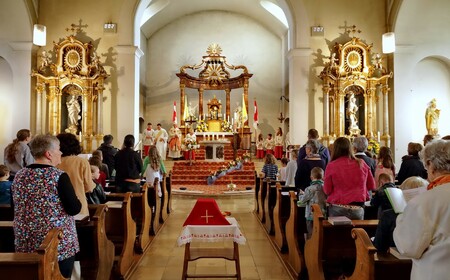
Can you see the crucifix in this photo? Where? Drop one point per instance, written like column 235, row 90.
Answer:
column 206, row 216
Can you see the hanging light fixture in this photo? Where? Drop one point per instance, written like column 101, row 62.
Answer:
column 39, row 35
column 389, row 42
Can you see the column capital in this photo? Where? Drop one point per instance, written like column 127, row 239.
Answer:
column 123, row 49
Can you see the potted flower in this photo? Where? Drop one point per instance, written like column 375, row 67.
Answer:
column 246, row 157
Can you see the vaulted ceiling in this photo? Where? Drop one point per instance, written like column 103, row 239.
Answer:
column 170, row 10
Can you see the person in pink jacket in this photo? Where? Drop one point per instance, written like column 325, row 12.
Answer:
column 347, row 182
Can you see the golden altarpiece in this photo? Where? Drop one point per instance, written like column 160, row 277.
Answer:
column 215, row 76
column 355, row 93
column 69, row 92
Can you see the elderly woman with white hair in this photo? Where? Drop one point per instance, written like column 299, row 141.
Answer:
column 423, row 230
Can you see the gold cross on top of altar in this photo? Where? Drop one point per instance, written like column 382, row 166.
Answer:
column 206, row 216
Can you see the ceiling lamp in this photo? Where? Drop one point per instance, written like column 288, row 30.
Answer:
column 39, row 35
column 389, row 42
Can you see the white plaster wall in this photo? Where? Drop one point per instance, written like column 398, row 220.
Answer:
column 243, row 41
column 6, row 110
column 421, row 70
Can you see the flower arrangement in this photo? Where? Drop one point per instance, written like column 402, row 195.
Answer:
column 190, row 144
column 202, row 126
column 246, row 156
column 226, row 126
column 374, row 146
column 223, row 170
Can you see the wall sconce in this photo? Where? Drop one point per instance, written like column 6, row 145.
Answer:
column 40, row 35
column 389, row 42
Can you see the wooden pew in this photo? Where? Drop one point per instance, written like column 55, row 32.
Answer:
column 96, row 254
column 6, row 237
column 281, row 212
column 141, row 214
column 258, row 185
column 331, row 246
column 371, row 265
column 164, row 201
column 269, row 204
column 155, row 204
column 42, row 265
column 6, row 212
column 121, row 230
column 295, row 232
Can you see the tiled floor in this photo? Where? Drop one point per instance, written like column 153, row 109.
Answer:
column 164, row 259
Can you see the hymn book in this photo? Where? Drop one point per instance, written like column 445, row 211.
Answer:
column 399, row 198
column 339, row 220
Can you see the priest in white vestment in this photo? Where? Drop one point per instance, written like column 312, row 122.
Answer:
column 161, row 137
column 175, row 141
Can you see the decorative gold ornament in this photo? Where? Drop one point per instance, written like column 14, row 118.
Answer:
column 214, row 50
column 215, row 74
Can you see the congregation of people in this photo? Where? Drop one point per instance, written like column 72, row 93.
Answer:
column 343, row 180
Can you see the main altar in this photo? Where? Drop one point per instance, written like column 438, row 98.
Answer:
column 214, row 75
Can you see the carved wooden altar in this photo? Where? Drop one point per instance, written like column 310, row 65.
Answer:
column 215, row 76
column 77, row 74
column 355, row 89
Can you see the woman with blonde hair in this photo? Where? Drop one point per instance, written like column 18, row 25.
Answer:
column 386, row 225
column 153, row 169
column 18, row 154
column 423, row 228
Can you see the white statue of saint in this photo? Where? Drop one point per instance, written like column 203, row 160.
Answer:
column 352, row 108
column 73, row 108
column 192, row 110
column 238, row 115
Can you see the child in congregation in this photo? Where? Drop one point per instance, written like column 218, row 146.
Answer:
column 102, row 175
column 379, row 198
column 270, row 169
column 260, row 147
column 5, row 185
column 97, row 196
column 284, row 162
column 313, row 195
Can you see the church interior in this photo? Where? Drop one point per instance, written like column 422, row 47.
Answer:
column 228, row 70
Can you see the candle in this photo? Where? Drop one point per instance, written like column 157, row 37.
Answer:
column 228, row 118
column 378, row 136
column 80, row 137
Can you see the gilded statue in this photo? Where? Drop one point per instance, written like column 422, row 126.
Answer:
column 432, row 117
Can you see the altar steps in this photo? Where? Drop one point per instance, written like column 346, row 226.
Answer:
column 228, row 153
column 185, row 175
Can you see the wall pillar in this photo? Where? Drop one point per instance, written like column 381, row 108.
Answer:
column 127, row 96
column 299, row 122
